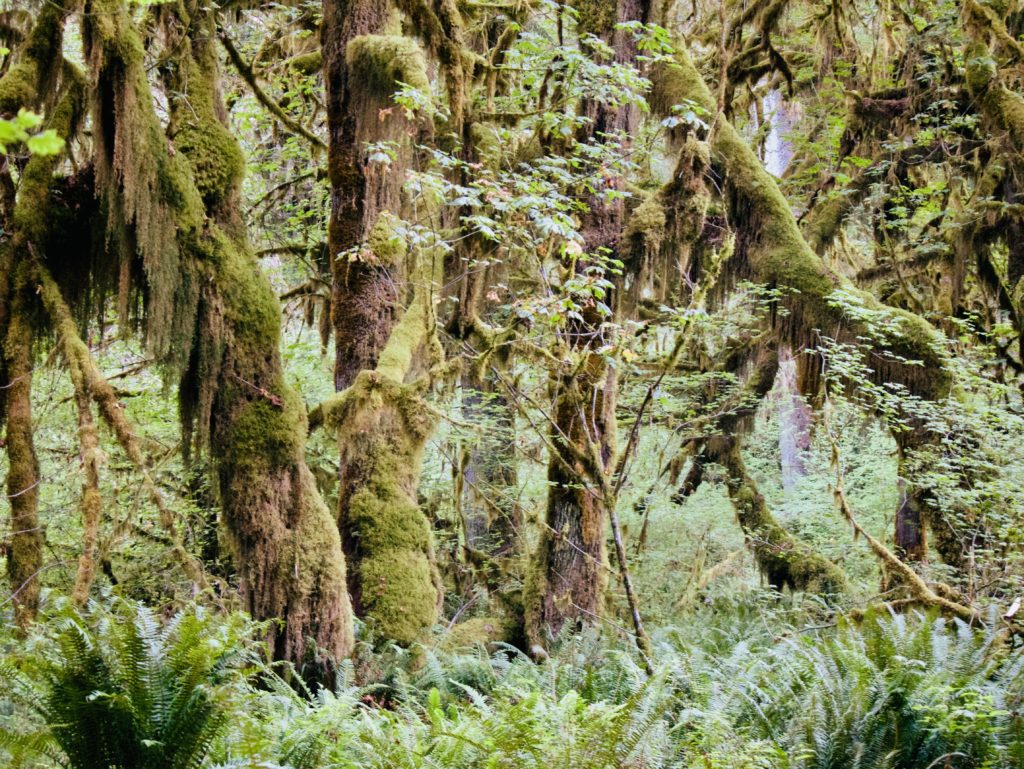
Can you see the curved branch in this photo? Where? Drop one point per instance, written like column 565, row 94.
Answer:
column 261, row 96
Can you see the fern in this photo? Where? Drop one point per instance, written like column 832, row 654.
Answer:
column 116, row 689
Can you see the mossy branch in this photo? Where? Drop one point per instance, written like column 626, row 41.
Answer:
column 261, row 96
column 927, row 594
column 87, row 377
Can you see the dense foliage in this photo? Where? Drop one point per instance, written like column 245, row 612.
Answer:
column 457, row 383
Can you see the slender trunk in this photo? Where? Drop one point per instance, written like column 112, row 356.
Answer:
column 25, row 551
column 569, row 574
column 794, row 421
column 492, row 515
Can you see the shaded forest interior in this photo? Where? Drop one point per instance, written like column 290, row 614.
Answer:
column 480, row 382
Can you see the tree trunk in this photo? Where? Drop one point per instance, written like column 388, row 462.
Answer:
column 492, row 516
column 569, row 573
column 25, row 550
column 287, row 547
column 382, row 427
column 363, row 62
column 794, row 421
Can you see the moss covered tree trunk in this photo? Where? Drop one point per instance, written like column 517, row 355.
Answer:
column 379, row 419
column 569, row 573
column 38, row 77
column 25, row 546
column 287, row 549
column 365, row 56
column 382, row 425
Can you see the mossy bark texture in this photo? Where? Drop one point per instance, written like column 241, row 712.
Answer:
column 382, row 425
column 568, row 576
column 287, row 549
column 35, row 80
column 365, row 56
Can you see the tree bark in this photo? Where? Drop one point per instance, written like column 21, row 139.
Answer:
column 287, row 547
column 25, row 550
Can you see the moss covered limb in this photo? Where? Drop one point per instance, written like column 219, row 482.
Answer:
column 91, row 503
column 782, row 560
column 936, row 595
column 88, row 379
column 25, row 551
column 269, row 104
column 771, row 250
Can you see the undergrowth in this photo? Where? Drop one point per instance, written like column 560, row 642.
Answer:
column 747, row 685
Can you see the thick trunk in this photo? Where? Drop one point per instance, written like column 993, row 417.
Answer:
column 569, row 573
column 364, row 58
column 287, row 546
column 382, row 427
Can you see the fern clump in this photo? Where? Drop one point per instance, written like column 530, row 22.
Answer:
column 119, row 689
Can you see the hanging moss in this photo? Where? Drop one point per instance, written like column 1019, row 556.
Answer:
column 647, row 221
column 151, row 201
column 29, row 83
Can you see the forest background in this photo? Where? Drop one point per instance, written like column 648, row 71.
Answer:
column 686, row 335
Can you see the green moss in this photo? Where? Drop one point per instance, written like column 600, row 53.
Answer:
column 979, row 68
column 382, row 426
column 379, row 62
column 478, row 631
column 399, row 596
column 647, row 220
column 250, row 304
column 386, row 244
column 487, row 144
column 18, row 88
column 595, row 17
column 307, row 63
column 213, row 152
column 259, row 433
